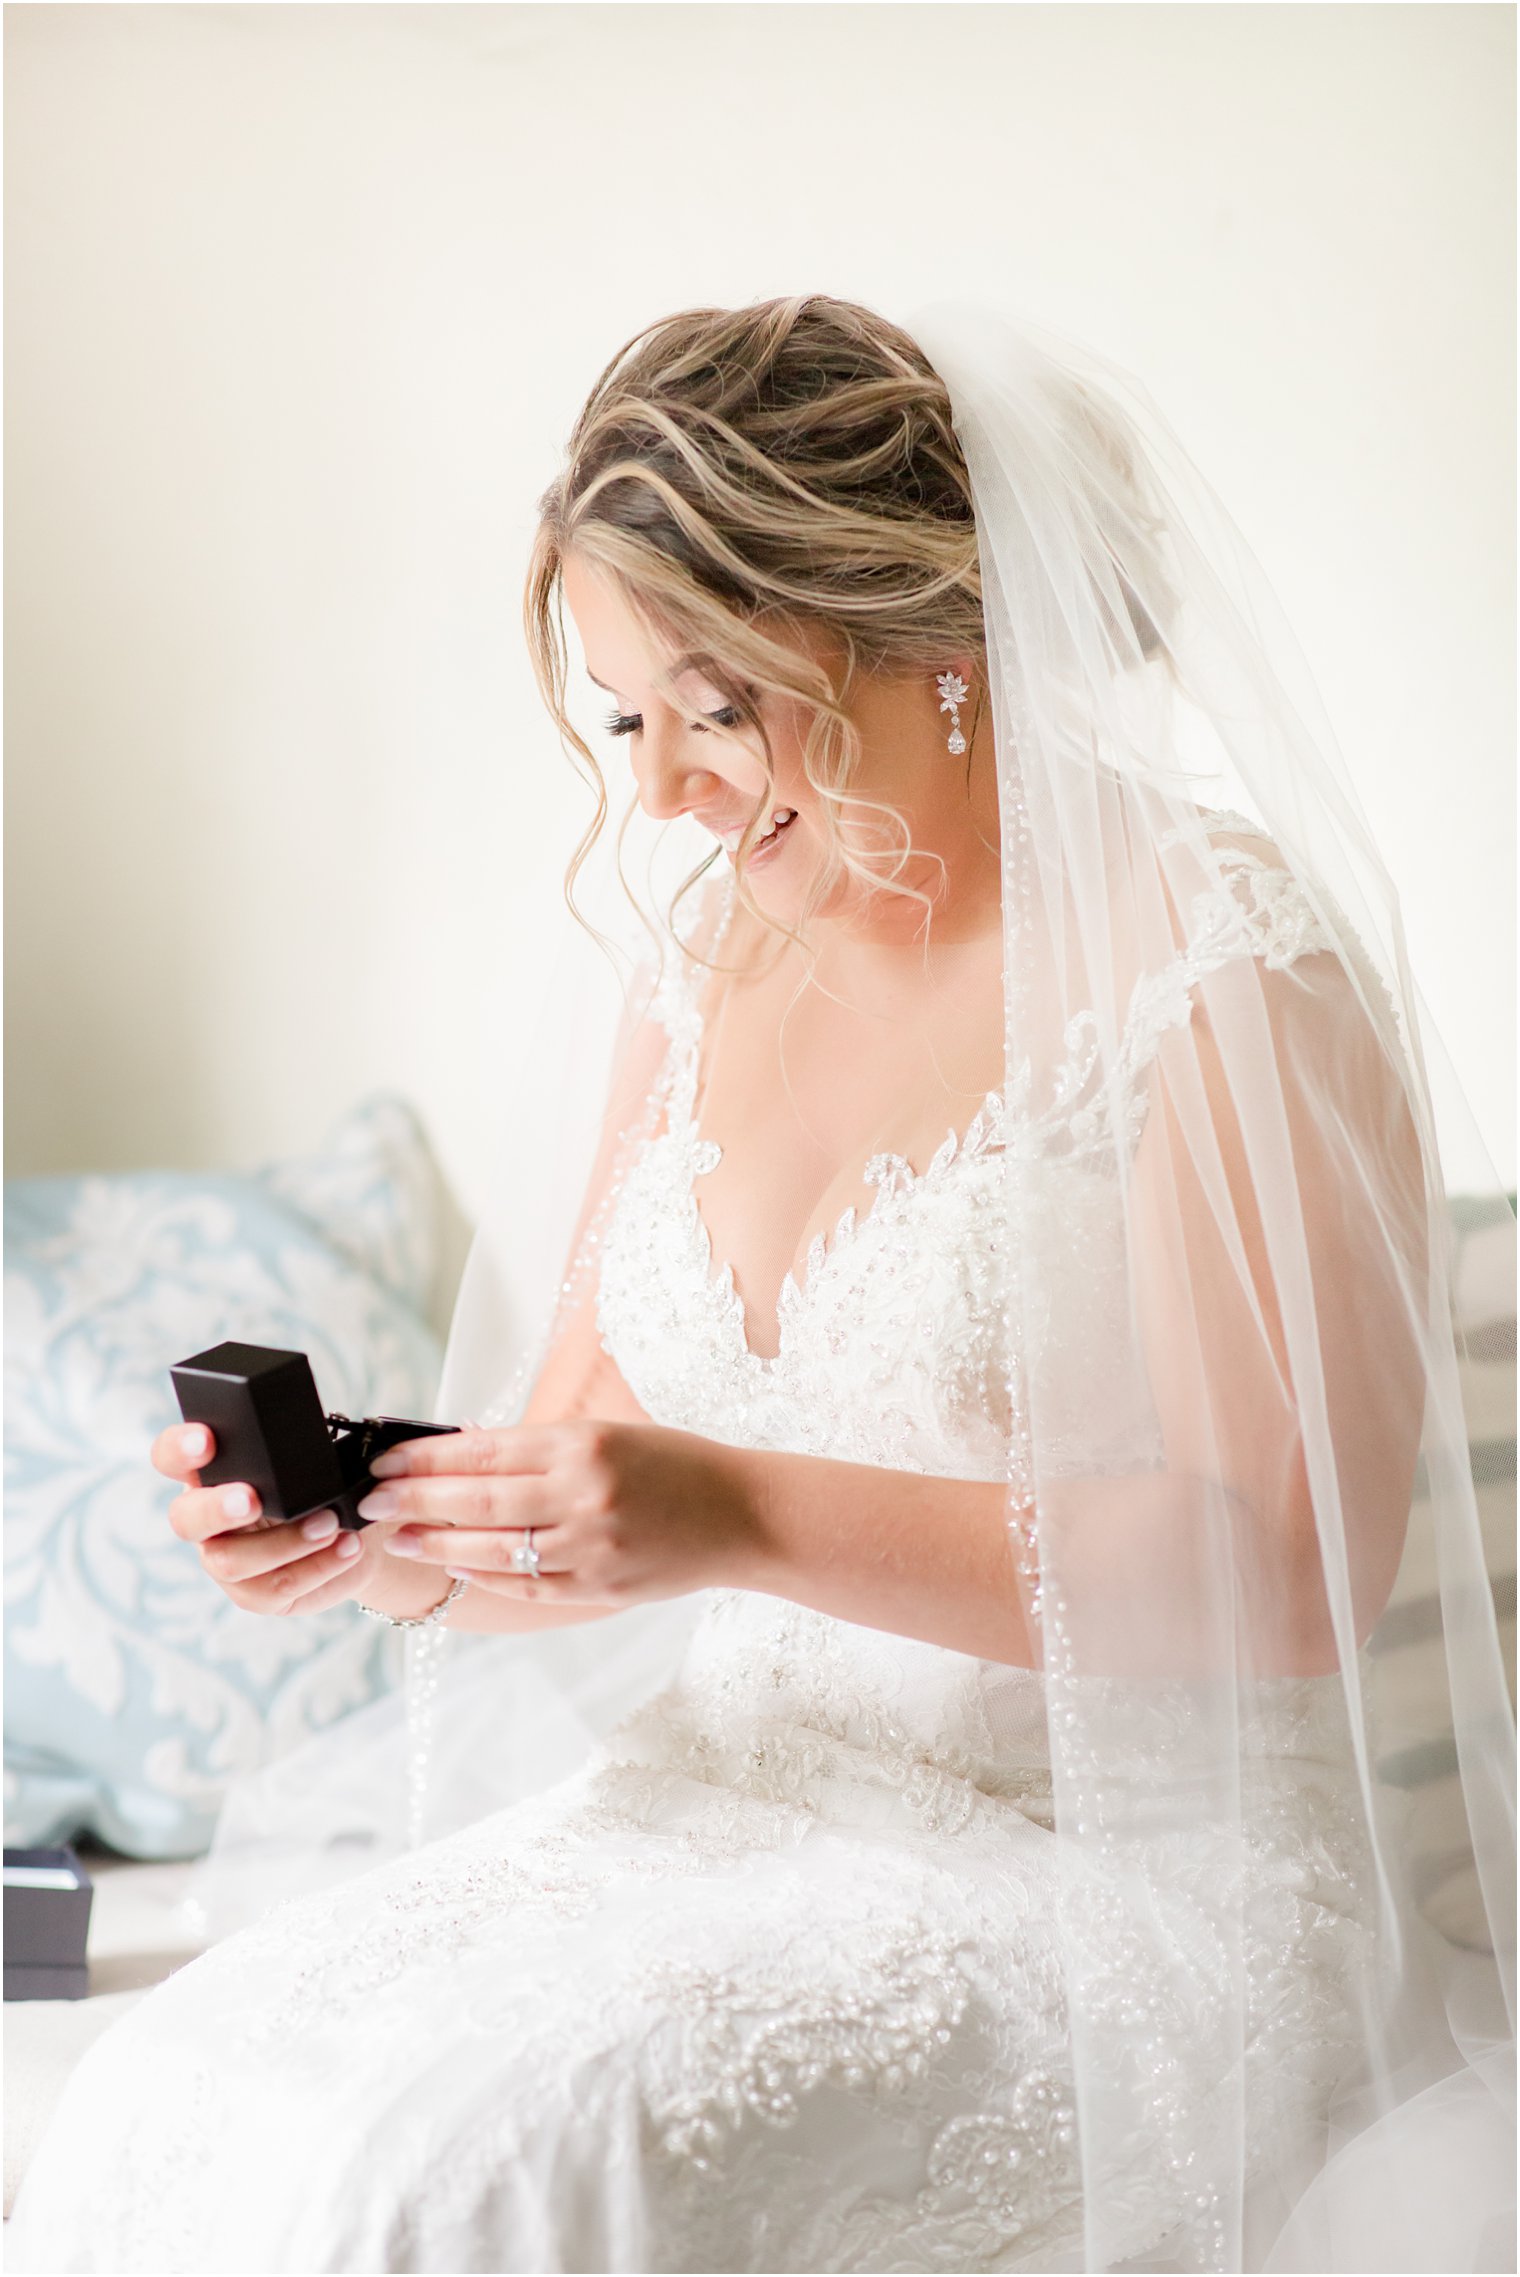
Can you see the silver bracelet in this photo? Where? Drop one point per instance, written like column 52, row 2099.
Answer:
column 417, row 1620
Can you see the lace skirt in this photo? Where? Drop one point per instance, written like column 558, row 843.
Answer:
column 746, row 1993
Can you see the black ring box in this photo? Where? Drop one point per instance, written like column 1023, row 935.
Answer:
column 272, row 1435
column 47, row 1925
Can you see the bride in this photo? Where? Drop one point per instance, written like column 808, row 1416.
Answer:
column 1008, row 1300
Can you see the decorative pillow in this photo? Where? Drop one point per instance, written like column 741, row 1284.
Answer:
column 134, row 1690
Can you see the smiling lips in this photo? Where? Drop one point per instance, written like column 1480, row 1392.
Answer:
column 779, row 821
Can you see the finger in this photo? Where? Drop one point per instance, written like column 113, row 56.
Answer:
column 337, row 1589
column 521, row 1447
column 183, row 1451
column 245, row 1555
column 207, row 1510
column 291, row 1588
column 491, row 1552
column 325, row 1578
column 494, row 1501
column 551, row 1589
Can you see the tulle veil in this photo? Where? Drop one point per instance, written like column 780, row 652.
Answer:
column 1261, row 1533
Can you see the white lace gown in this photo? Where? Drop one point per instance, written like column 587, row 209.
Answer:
column 771, row 1984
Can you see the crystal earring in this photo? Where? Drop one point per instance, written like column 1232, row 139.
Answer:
column 953, row 692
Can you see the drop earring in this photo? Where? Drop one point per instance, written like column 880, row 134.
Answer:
column 953, row 692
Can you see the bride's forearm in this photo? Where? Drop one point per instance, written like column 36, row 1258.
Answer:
column 919, row 1556
column 1139, row 1555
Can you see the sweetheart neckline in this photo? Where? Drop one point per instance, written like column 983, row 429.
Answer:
column 892, row 1175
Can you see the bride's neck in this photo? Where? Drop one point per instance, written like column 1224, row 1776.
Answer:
column 945, row 898
column 953, row 876
column 891, row 933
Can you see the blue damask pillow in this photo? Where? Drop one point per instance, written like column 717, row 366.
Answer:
column 134, row 1690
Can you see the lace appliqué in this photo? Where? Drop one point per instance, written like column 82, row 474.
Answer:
column 904, row 2001
column 1259, row 910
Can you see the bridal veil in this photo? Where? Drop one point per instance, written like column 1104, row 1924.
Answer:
column 1231, row 1383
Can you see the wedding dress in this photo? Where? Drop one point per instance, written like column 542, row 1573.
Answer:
column 773, row 1982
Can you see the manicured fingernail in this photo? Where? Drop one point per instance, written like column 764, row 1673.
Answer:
column 321, row 1528
column 194, row 1445
column 381, row 1503
column 392, row 1464
column 350, row 1546
column 404, row 1546
column 237, row 1502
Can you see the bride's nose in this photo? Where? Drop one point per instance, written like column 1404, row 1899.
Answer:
column 668, row 783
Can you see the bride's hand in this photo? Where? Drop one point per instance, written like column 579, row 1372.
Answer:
column 264, row 1565
column 620, row 1512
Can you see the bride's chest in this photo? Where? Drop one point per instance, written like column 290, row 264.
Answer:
column 889, row 1344
column 804, row 1129
column 894, row 1340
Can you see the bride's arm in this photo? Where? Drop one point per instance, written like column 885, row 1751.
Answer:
column 640, row 1511
column 920, row 1556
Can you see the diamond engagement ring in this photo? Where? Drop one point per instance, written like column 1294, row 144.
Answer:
column 525, row 1556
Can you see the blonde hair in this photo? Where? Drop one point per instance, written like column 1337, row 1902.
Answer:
column 740, row 474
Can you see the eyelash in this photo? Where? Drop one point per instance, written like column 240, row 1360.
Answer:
column 625, row 723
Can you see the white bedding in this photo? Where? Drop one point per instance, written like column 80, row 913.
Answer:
column 135, row 1939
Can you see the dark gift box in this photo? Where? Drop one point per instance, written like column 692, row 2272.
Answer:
column 47, row 1925
column 271, row 1433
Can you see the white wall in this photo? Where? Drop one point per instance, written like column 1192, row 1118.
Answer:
column 302, row 300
